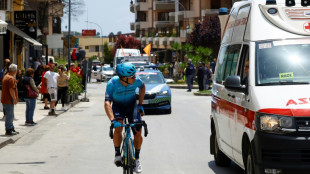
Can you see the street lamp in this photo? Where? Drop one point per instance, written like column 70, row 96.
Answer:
column 101, row 35
column 69, row 32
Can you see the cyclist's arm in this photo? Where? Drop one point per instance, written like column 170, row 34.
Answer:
column 141, row 94
column 108, row 110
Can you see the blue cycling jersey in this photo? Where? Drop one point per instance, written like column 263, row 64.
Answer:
column 120, row 94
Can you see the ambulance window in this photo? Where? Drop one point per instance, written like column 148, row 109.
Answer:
column 243, row 65
column 232, row 58
column 221, row 65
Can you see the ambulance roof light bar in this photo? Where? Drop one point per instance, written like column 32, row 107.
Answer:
column 290, row 3
column 271, row 2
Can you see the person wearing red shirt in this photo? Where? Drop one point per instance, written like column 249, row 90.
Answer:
column 46, row 96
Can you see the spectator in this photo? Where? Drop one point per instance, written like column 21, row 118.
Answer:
column 207, row 76
column 9, row 98
column 213, row 65
column 50, row 78
column 62, row 84
column 38, row 75
column 171, row 67
column 30, row 102
column 73, row 55
column 3, row 72
column 200, row 76
column 81, row 54
column 36, row 63
column 190, row 72
column 20, row 85
column 73, row 69
column 50, row 62
column 44, row 91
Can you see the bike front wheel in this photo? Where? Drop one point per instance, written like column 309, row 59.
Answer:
column 129, row 163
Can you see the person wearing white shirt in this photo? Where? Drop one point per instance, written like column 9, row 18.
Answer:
column 51, row 78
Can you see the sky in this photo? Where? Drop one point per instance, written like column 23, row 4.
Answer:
column 110, row 15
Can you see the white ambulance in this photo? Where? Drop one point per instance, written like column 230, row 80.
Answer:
column 261, row 94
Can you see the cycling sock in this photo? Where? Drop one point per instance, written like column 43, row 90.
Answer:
column 137, row 154
column 117, row 151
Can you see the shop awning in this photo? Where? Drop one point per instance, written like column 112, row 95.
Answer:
column 3, row 27
column 20, row 33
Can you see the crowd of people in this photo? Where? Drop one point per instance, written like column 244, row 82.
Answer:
column 204, row 73
column 52, row 83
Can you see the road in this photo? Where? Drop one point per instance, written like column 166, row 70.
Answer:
column 77, row 141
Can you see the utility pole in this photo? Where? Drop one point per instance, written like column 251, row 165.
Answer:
column 69, row 38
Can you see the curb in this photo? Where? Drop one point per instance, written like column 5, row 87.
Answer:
column 182, row 86
column 201, row 94
column 14, row 138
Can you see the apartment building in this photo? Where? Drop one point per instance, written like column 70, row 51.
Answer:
column 164, row 22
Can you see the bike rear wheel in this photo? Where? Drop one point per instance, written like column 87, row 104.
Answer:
column 129, row 163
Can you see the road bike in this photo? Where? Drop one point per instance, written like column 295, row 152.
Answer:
column 127, row 150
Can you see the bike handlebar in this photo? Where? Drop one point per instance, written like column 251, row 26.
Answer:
column 146, row 132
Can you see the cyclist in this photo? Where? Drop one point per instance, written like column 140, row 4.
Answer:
column 121, row 92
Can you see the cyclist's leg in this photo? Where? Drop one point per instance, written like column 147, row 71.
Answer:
column 117, row 136
column 135, row 117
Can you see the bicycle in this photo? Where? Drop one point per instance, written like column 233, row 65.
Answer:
column 127, row 150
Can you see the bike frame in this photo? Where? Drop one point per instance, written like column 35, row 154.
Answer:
column 128, row 136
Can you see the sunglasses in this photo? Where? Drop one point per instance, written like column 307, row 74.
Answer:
column 132, row 77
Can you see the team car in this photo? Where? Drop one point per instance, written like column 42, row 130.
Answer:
column 157, row 92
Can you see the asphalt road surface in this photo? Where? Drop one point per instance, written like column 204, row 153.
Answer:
column 77, row 141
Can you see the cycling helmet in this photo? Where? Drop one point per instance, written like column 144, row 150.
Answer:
column 125, row 69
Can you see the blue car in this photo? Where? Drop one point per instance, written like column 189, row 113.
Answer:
column 157, row 92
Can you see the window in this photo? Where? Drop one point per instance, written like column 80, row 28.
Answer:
column 227, row 62
column 3, row 4
column 86, row 47
column 97, row 48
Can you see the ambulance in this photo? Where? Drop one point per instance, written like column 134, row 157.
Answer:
column 260, row 116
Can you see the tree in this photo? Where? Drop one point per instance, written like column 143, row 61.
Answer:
column 77, row 7
column 126, row 42
column 204, row 53
column 207, row 34
column 176, row 47
column 98, row 34
column 119, row 33
column 107, row 53
column 188, row 49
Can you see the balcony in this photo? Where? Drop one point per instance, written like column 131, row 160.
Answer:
column 143, row 40
column 132, row 8
column 164, row 5
column 181, row 15
column 162, row 24
column 141, row 6
column 149, row 40
column 132, row 26
column 141, row 25
column 163, row 41
column 156, row 41
column 209, row 12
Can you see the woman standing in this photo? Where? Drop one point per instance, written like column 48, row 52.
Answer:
column 44, row 91
column 30, row 102
column 63, row 84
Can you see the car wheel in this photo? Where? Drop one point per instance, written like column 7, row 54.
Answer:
column 219, row 157
column 249, row 167
column 168, row 111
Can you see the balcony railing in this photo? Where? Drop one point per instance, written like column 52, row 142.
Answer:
column 181, row 15
column 162, row 24
column 164, row 5
column 141, row 25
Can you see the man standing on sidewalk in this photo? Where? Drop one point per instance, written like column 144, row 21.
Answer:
column 9, row 98
column 51, row 78
column 190, row 72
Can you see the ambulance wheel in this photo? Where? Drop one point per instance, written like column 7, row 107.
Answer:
column 249, row 167
column 219, row 157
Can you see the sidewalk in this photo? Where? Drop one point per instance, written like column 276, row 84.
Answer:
column 19, row 122
column 185, row 87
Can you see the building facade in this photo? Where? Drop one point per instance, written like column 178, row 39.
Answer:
column 27, row 21
column 164, row 22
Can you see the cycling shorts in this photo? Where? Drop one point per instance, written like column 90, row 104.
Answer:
column 131, row 112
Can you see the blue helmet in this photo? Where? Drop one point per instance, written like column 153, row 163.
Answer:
column 125, row 69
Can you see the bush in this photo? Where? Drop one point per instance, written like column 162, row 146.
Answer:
column 75, row 84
